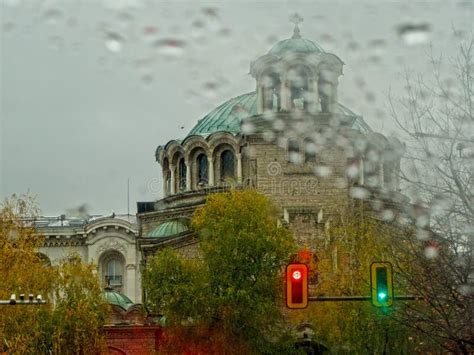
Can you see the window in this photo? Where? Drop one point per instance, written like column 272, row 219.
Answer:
column 271, row 92
column 294, row 151
column 227, row 164
column 182, row 175
column 202, row 177
column 298, row 79
column 309, row 151
column 114, row 272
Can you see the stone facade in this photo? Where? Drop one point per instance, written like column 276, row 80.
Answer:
column 108, row 242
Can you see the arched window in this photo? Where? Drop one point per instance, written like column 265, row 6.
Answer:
column 114, row 272
column 294, row 151
column 202, row 176
column 227, row 164
column 271, row 92
column 168, row 182
column 325, row 89
column 309, row 151
column 182, row 174
column 298, row 77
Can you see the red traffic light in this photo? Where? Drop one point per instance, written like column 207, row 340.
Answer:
column 297, row 286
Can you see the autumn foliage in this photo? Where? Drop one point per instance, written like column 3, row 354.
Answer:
column 70, row 321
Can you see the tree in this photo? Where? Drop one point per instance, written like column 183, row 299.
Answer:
column 437, row 117
column 233, row 291
column 353, row 239
column 75, row 311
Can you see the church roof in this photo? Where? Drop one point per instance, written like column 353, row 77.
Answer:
column 227, row 116
column 117, row 298
column 295, row 44
column 169, row 228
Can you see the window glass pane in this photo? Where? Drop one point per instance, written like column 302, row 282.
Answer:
column 182, row 174
column 114, row 272
column 227, row 164
column 202, row 169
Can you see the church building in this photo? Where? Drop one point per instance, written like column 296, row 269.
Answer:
column 290, row 139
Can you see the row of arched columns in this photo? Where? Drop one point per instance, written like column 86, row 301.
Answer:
column 190, row 174
column 200, row 162
column 302, row 90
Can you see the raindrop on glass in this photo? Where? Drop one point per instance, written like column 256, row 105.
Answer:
column 431, row 252
column 170, row 47
column 352, row 171
column 147, row 79
column 248, row 128
column 56, row 43
column 414, row 34
column 388, row 215
column 52, row 16
column 210, row 11
column 323, row 171
column 360, row 193
column 114, row 42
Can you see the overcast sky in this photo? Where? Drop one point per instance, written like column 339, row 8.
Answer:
column 89, row 89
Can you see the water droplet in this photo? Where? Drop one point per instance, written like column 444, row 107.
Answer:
column 388, row 215
column 431, row 252
column 210, row 11
column 327, row 37
column 56, row 43
column 170, row 47
column 422, row 221
column 52, row 16
column 323, row 171
column 295, row 158
column 423, row 234
column 150, row 30
column 359, row 193
column 352, row 171
column 240, row 112
column 268, row 136
column 198, row 24
column 248, row 128
column 114, row 42
column 210, row 89
column 147, row 79
column 278, row 125
column 353, row 46
column 369, row 97
column 414, row 34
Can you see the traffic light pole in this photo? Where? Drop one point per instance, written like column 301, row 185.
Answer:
column 356, row 298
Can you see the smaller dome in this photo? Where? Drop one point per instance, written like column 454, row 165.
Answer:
column 117, row 298
column 295, row 44
column 169, row 228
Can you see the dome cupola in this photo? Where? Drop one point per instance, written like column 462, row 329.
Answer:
column 297, row 75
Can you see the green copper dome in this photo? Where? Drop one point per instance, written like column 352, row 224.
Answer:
column 295, row 44
column 168, row 228
column 227, row 117
column 117, row 298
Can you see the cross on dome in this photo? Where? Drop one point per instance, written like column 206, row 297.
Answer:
column 296, row 19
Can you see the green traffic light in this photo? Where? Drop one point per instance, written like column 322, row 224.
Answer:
column 381, row 284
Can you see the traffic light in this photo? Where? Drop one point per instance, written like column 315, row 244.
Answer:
column 381, row 284
column 297, row 286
